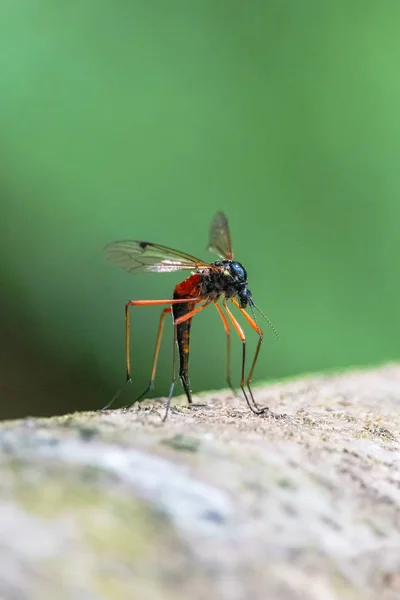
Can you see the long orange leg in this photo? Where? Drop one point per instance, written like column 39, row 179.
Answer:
column 171, row 390
column 150, row 386
column 185, row 384
column 253, row 407
column 240, row 333
column 260, row 334
column 193, row 312
column 228, row 343
column 259, row 331
column 127, row 334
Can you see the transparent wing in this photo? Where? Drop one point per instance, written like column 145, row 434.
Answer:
column 219, row 240
column 138, row 257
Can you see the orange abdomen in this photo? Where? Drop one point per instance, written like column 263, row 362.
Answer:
column 189, row 288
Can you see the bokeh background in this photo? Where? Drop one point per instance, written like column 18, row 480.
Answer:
column 124, row 119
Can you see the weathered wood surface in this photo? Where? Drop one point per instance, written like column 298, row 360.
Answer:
column 217, row 503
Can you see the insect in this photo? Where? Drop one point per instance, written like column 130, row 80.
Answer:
column 214, row 283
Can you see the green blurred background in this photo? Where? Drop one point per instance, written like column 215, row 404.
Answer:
column 137, row 119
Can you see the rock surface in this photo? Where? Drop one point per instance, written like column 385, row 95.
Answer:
column 217, row 503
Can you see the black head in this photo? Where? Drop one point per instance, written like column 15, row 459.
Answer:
column 237, row 271
column 238, row 277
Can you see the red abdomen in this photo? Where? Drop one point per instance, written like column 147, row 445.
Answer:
column 189, row 288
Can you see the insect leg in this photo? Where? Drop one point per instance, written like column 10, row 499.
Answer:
column 171, row 390
column 127, row 336
column 259, row 331
column 240, row 333
column 182, row 323
column 156, row 353
column 191, row 313
column 228, row 344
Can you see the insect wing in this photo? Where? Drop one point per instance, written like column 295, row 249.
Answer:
column 219, row 240
column 138, row 257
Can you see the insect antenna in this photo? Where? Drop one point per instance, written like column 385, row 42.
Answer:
column 253, row 306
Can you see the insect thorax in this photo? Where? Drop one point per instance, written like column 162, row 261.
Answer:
column 228, row 278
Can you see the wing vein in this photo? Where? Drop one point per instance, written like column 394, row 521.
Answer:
column 137, row 256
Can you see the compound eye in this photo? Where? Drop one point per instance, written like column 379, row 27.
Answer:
column 238, row 271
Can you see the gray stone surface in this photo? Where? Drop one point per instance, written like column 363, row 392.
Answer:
column 217, row 503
